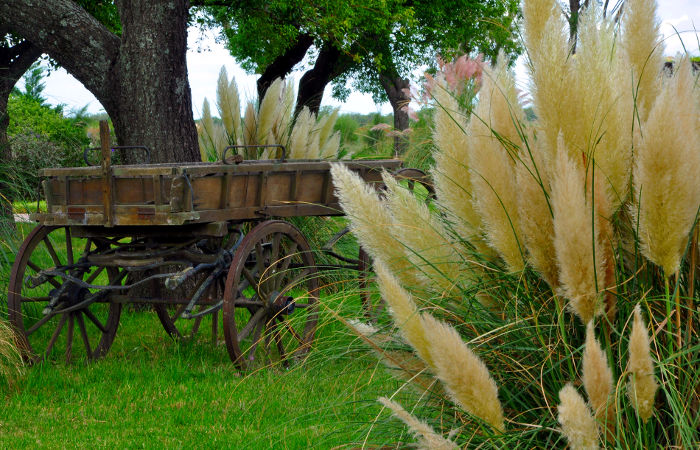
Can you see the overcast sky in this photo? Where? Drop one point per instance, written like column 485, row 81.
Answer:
column 205, row 58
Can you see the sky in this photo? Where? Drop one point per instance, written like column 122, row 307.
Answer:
column 205, row 58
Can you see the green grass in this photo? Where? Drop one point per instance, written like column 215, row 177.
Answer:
column 151, row 391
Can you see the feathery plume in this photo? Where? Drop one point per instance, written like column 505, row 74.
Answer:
column 463, row 374
column 428, row 438
column 236, row 112
column 371, row 222
column 250, row 125
column 424, row 237
column 207, row 133
column 268, row 113
column 300, row 134
column 578, row 253
column 451, row 172
column 537, row 13
column 666, row 182
column 643, row 49
column 536, row 222
column 577, row 423
column 597, row 379
column 492, row 136
column 404, row 312
column 331, row 147
column 228, row 105
column 326, row 124
column 642, row 386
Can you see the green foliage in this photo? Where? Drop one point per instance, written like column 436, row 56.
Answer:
column 39, row 137
column 379, row 37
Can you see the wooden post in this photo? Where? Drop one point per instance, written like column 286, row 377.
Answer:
column 106, row 150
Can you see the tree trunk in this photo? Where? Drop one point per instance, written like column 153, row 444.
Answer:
column 284, row 63
column 396, row 89
column 329, row 64
column 140, row 79
column 14, row 61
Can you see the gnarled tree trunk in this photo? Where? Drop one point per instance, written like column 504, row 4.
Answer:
column 140, row 78
column 396, row 89
column 330, row 63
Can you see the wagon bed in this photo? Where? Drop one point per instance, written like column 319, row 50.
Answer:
column 180, row 194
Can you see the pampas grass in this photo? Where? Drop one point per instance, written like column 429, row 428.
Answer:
column 595, row 197
column 577, row 423
column 666, row 182
column 272, row 123
column 641, row 388
column 575, row 240
column 427, row 437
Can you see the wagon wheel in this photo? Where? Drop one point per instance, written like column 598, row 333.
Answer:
column 419, row 183
column 171, row 317
column 54, row 316
column 271, row 297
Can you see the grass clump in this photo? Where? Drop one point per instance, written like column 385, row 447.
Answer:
column 560, row 254
column 271, row 122
column 11, row 364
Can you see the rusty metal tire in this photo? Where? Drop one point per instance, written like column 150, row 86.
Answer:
column 270, row 307
column 93, row 326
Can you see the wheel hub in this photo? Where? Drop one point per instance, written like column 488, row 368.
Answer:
column 280, row 304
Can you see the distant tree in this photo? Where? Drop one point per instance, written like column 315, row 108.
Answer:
column 372, row 48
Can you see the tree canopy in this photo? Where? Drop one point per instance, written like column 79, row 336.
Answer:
column 377, row 36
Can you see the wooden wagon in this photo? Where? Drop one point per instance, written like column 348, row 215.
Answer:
column 192, row 240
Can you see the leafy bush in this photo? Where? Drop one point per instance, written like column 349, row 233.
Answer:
column 549, row 295
column 39, row 137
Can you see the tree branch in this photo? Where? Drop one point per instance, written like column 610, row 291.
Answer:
column 68, row 34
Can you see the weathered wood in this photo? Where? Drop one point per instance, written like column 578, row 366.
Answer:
column 178, row 194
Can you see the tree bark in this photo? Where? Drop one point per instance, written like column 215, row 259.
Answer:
column 396, row 89
column 140, row 78
column 283, row 64
column 14, row 62
column 329, row 64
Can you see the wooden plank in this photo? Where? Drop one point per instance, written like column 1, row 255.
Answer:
column 106, row 173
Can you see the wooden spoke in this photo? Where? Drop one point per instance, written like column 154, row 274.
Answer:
column 252, row 322
column 69, row 338
column 83, row 332
column 69, row 247
column 55, row 334
column 37, row 325
column 95, row 274
column 94, row 320
column 52, row 252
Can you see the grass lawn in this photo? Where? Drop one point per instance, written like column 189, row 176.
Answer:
column 150, row 391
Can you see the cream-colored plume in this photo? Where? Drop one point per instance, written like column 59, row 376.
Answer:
column 535, row 213
column 372, row 223
column 298, row 140
column 598, row 379
column 578, row 251
column 404, row 312
column 229, row 106
column 577, row 423
column 451, row 171
column 424, row 237
column 642, row 386
column 464, row 376
column 666, row 181
column 643, row 49
column 268, row 113
column 493, row 138
column 427, row 437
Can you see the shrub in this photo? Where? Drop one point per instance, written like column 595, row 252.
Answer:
column 525, row 299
